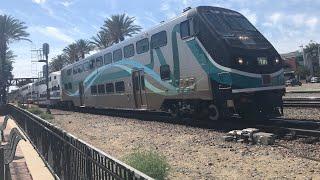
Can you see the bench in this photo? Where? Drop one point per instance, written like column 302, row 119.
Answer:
column 3, row 127
column 8, row 151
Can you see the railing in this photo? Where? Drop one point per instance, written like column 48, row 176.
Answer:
column 68, row 157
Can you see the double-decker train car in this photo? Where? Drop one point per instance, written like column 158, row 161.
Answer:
column 25, row 93
column 208, row 61
column 54, row 86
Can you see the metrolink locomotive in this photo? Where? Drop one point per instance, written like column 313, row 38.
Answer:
column 209, row 62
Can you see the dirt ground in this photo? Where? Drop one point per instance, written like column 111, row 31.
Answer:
column 193, row 153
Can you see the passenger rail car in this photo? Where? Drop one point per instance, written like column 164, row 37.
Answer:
column 208, row 61
column 54, row 86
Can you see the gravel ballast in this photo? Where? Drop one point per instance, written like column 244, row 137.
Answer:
column 193, row 153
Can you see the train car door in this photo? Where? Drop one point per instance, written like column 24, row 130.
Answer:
column 81, row 93
column 138, row 86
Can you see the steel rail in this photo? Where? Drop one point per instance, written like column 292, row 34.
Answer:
column 301, row 102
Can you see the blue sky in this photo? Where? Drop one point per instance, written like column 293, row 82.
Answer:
column 288, row 24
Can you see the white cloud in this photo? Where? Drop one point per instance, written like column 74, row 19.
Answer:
column 39, row 1
column 312, row 22
column 165, row 6
column 66, row 3
column 275, row 18
column 298, row 19
column 53, row 32
column 149, row 16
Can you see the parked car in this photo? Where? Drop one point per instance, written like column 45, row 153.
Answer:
column 293, row 82
column 315, row 79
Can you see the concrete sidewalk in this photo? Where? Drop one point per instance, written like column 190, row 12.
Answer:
column 27, row 164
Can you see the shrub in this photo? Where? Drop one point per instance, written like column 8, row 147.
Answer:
column 149, row 162
column 35, row 110
column 46, row 116
column 21, row 106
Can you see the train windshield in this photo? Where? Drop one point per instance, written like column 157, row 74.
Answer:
column 225, row 22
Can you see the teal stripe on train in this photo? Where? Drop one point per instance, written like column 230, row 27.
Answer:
column 228, row 78
column 124, row 69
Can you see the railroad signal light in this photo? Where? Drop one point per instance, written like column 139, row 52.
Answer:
column 45, row 48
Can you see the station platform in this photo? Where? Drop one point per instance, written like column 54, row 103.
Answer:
column 27, row 164
column 305, row 88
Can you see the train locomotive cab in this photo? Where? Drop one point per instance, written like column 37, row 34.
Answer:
column 244, row 69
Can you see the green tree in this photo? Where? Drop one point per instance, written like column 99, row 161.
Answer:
column 312, row 47
column 302, row 71
column 71, row 52
column 119, row 26
column 101, row 40
column 11, row 30
column 83, row 47
column 57, row 63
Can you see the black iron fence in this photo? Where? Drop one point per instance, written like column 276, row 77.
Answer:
column 68, row 157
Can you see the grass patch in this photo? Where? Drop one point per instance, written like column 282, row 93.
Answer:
column 47, row 116
column 149, row 162
column 35, row 110
column 21, row 106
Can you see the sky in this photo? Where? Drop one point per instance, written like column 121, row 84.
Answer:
column 287, row 24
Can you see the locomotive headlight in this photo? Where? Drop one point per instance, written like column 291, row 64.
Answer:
column 243, row 38
column 240, row 61
column 277, row 61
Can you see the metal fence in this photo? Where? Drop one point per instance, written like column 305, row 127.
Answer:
column 68, row 157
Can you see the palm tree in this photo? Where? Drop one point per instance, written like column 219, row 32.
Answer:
column 11, row 30
column 71, row 52
column 119, row 26
column 83, row 47
column 101, row 40
column 58, row 62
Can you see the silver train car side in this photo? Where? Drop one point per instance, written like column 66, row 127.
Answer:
column 208, row 61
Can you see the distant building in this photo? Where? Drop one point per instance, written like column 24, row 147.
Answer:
column 292, row 60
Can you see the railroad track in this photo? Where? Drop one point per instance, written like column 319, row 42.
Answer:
column 304, row 128
column 302, row 102
column 279, row 126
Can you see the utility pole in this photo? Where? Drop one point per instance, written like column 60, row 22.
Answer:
column 319, row 53
column 45, row 50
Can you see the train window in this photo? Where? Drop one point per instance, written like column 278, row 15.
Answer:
column 69, row 86
column 119, row 86
column 99, row 61
column 117, row 55
column 165, row 72
column 69, row 72
column 159, row 39
column 75, row 70
column 128, row 51
column 101, row 89
column 217, row 22
column 54, row 77
column 142, row 46
column 50, row 78
column 80, row 68
column 184, row 29
column 92, row 62
column 86, row 66
column 109, row 88
column 108, row 58
column 93, row 89
column 142, row 83
column 239, row 23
